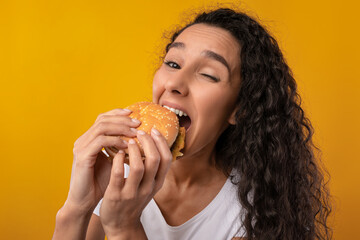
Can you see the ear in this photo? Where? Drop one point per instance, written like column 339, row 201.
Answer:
column 232, row 119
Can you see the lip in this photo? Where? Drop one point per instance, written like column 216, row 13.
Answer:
column 173, row 105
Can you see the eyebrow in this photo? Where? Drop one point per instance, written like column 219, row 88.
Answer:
column 176, row 45
column 206, row 53
column 217, row 57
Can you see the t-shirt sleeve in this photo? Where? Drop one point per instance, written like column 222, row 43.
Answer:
column 97, row 209
column 239, row 226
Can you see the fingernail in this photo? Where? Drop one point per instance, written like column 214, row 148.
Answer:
column 133, row 130
column 127, row 110
column 125, row 142
column 155, row 131
column 131, row 141
column 105, row 152
column 141, row 132
column 120, row 152
column 135, row 120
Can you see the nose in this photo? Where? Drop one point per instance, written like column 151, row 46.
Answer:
column 178, row 83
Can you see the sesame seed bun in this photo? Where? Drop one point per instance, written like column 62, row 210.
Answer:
column 155, row 116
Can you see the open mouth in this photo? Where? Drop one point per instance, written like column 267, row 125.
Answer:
column 184, row 121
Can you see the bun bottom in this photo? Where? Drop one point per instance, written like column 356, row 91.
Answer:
column 176, row 148
column 152, row 115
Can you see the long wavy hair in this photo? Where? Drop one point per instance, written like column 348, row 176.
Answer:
column 281, row 182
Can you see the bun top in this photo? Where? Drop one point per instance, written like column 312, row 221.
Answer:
column 153, row 115
column 165, row 121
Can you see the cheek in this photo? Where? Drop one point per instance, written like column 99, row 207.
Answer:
column 215, row 106
column 157, row 87
column 211, row 100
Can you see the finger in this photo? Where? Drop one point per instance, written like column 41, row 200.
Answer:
column 113, row 129
column 93, row 149
column 165, row 156
column 152, row 160
column 103, row 119
column 109, row 129
column 110, row 125
column 136, row 168
column 117, row 171
column 120, row 120
column 116, row 111
column 102, row 172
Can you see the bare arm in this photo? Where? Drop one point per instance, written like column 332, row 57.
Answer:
column 94, row 177
column 70, row 224
column 133, row 233
column 124, row 201
column 95, row 230
column 91, row 172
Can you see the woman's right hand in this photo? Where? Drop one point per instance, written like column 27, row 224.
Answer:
column 91, row 167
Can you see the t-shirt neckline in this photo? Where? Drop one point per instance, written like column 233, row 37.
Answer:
column 218, row 198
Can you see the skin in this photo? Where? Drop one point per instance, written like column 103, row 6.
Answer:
column 202, row 85
column 210, row 104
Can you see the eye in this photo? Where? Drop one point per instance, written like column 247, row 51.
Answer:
column 211, row 77
column 172, row 64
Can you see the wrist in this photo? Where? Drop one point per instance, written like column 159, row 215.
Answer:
column 71, row 213
column 71, row 224
column 77, row 209
column 135, row 231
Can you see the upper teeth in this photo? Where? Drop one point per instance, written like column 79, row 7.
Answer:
column 176, row 111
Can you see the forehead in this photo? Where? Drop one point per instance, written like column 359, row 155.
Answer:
column 200, row 37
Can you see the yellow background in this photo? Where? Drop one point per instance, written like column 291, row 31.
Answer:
column 64, row 62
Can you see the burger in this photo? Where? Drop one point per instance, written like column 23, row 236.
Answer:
column 152, row 115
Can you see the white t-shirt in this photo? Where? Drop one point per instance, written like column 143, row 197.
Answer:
column 218, row 220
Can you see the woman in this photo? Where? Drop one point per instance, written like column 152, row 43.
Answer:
column 248, row 168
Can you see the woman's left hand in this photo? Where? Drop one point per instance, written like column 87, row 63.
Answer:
column 125, row 199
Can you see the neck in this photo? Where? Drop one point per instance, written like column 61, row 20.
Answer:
column 198, row 168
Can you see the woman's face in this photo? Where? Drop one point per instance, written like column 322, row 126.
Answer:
column 200, row 76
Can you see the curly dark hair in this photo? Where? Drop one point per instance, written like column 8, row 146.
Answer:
column 281, row 184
